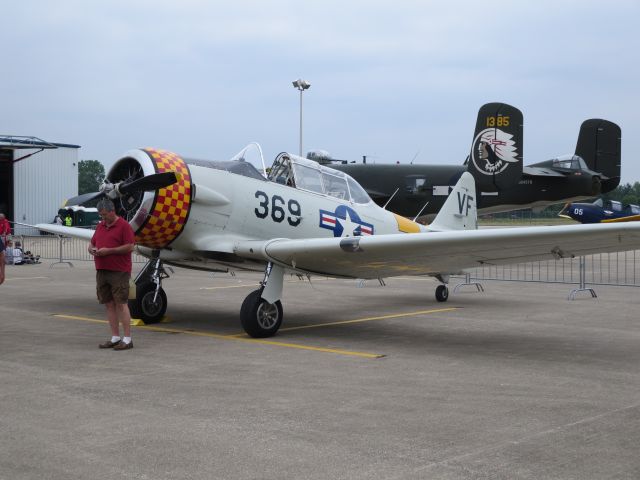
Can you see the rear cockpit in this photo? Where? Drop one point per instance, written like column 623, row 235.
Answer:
column 564, row 164
column 303, row 174
column 569, row 162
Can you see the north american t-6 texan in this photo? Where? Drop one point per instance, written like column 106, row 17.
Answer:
column 496, row 162
column 306, row 219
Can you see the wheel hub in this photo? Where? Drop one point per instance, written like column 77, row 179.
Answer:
column 267, row 315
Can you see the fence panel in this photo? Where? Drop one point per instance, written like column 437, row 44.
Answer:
column 60, row 248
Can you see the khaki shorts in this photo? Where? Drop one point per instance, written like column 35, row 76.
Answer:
column 112, row 286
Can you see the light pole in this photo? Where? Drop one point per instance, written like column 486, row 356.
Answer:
column 301, row 85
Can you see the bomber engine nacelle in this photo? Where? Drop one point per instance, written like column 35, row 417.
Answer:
column 159, row 215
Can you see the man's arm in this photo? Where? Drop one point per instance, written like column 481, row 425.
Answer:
column 104, row 251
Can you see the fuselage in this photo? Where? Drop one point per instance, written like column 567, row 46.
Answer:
column 607, row 211
column 421, row 190
column 218, row 207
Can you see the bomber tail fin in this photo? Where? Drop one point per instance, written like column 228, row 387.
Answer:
column 496, row 152
column 599, row 145
column 459, row 211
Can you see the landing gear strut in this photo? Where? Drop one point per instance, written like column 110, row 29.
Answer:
column 261, row 312
column 150, row 303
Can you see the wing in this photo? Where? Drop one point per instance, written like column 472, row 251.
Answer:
column 631, row 218
column 440, row 252
column 85, row 233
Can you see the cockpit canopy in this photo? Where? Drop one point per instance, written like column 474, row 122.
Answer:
column 304, row 174
column 569, row 162
column 616, row 206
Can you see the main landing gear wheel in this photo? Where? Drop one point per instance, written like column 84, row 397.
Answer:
column 145, row 307
column 260, row 318
column 442, row 293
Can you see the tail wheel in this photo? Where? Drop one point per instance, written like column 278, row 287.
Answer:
column 145, row 307
column 442, row 293
column 260, row 318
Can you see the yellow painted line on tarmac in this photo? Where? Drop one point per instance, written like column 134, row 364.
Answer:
column 371, row 319
column 235, row 337
column 74, row 317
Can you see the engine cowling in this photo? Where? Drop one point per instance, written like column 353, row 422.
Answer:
column 157, row 217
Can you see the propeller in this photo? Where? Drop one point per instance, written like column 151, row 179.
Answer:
column 120, row 189
column 564, row 213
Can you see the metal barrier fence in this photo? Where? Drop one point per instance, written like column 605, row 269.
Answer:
column 619, row 268
column 63, row 249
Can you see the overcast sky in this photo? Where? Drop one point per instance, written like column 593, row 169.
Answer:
column 389, row 79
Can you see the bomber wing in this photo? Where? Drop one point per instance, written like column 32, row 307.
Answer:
column 440, row 252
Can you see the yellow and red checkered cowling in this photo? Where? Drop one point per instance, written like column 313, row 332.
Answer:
column 171, row 205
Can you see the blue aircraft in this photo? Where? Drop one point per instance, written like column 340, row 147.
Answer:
column 601, row 211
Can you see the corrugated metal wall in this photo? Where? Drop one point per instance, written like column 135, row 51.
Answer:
column 42, row 183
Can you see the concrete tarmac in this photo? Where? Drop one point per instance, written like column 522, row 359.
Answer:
column 360, row 383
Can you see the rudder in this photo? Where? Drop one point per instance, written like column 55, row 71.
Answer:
column 496, row 152
column 599, row 145
column 459, row 211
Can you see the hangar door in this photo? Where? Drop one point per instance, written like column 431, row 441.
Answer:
column 6, row 183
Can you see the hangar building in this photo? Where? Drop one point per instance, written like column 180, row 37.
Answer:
column 36, row 177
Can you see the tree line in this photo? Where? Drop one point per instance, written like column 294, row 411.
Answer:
column 626, row 193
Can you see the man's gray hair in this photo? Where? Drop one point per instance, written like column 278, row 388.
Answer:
column 106, row 204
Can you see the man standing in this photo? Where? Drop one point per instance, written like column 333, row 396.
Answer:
column 5, row 228
column 111, row 247
column 1, row 261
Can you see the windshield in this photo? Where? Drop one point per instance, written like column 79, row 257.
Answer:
column 252, row 154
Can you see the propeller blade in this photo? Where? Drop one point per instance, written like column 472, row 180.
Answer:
column 564, row 213
column 150, row 182
column 81, row 199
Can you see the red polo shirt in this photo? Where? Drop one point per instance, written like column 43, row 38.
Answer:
column 116, row 235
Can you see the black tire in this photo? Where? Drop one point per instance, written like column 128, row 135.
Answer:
column 442, row 293
column 260, row 318
column 144, row 308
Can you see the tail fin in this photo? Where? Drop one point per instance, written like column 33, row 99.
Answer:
column 496, row 152
column 599, row 145
column 459, row 211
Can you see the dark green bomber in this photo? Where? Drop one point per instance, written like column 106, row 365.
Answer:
column 495, row 161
